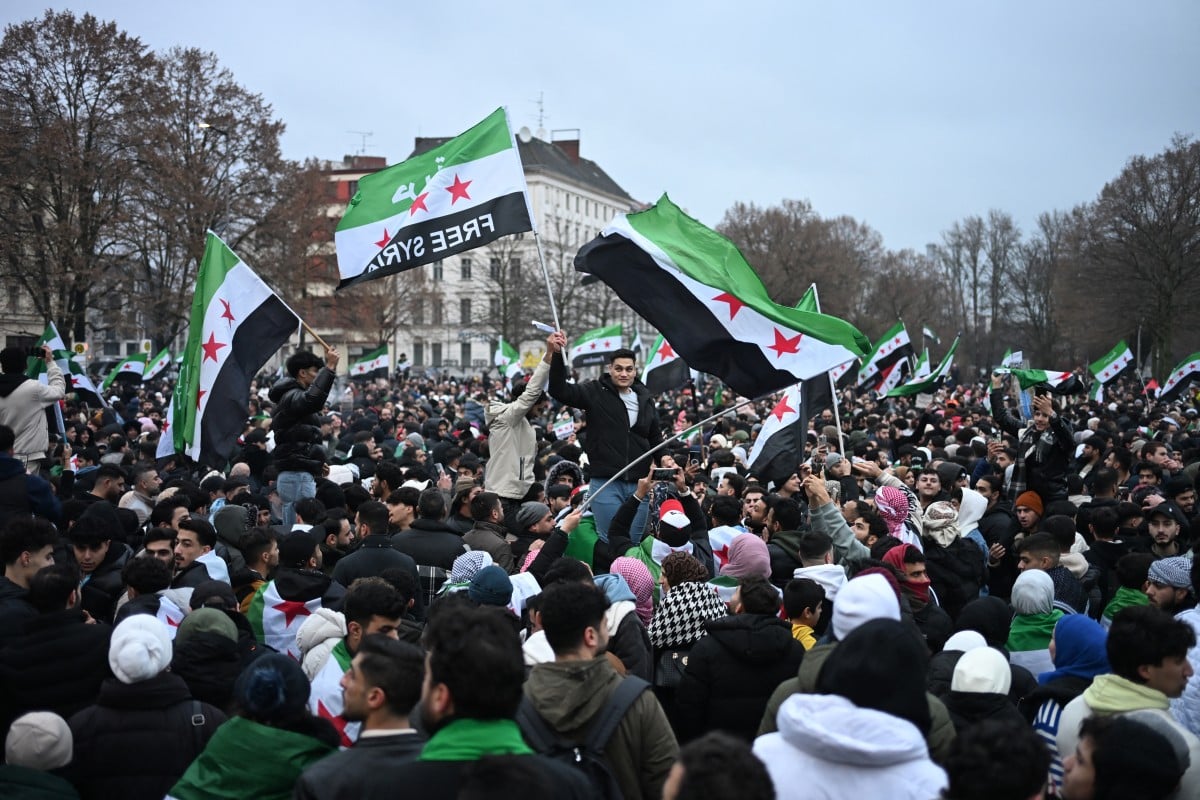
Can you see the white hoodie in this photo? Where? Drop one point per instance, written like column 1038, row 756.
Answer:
column 827, row 747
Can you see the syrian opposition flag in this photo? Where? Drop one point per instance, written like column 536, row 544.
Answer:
column 810, row 301
column 507, row 359
column 169, row 614
column 1096, row 394
column 693, row 285
column 930, row 381
column 325, row 699
column 928, row 333
column 1012, row 359
column 276, row 621
column 922, row 369
column 595, row 345
column 893, row 376
column 780, row 442
column 79, row 381
column 891, row 347
column 462, row 194
column 237, row 323
column 1187, row 371
column 838, row 372
column 130, row 369
column 1056, row 382
column 1113, row 363
column 665, row 370
column 371, row 365
column 157, row 364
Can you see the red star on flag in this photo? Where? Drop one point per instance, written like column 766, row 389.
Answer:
column 227, row 313
column 336, row 720
column 785, row 345
column 419, row 202
column 593, row 345
column 458, row 190
column 200, row 396
column 174, row 623
column 211, row 347
column 782, row 408
column 166, row 426
column 897, row 340
column 386, row 236
column 735, row 305
column 722, row 554
column 291, row 609
column 665, row 351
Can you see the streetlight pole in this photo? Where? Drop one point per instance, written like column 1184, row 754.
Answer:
column 223, row 224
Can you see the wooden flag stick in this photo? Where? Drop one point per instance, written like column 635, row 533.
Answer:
column 313, row 334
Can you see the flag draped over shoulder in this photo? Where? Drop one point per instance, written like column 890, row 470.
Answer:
column 930, row 381
column 277, row 621
column 462, row 194
column 1112, row 363
column 780, row 441
column 665, row 370
column 325, row 700
column 891, row 348
column 1187, row 371
column 507, row 359
column 236, row 324
column 371, row 365
column 594, row 346
column 693, row 285
column 157, row 364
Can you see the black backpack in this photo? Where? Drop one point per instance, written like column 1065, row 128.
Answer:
column 587, row 757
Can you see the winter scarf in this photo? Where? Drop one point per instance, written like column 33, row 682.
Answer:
column 640, row 582
column 471, row 739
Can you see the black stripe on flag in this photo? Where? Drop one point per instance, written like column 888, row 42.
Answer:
column 693, row 331
column 258, row 337
column 668, row 376
column 441, row 237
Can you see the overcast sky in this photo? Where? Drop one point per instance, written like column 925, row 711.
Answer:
column 906, row 116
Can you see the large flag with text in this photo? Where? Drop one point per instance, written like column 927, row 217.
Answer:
column 462, row 194
column 236, row 324
column 693, row 285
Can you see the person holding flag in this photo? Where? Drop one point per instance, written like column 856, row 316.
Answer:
column 298, row 452
column 512, row 443
column 23, row 402
column 1044, row 449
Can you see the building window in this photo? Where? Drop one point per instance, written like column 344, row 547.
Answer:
column 436, row 347
column 464, row 354
column 418, row 358
column 464, row 311
column 437, row 271
column 438, row 313
column 418, row 314
column 514, row 269
column 494, row 308
column 466, row 269
column 494, row 269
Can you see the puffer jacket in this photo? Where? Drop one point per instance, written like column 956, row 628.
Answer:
column 295, row 423
column 317, row 637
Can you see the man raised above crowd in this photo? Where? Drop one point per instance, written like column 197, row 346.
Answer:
column 622, row 426
column 297, row 428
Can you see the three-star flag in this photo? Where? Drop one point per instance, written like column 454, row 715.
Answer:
column 665, row 371
column 594, row 346
column 465, row 193
column 780, row 441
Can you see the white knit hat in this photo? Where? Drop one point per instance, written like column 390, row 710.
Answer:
column 862, row 599
column 39, row 740
column 982, row 671
column 140, row 648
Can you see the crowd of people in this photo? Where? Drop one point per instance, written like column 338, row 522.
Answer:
column 569, row 587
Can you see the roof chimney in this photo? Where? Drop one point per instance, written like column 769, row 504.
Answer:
column 569, row 147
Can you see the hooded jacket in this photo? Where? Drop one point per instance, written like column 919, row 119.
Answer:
column 230, row 524
column 569, row 694
column 979, row 690
column 512, row 441
column 23, row 404
column 826, row 747
column 731, row 673
column 98, row 596
column 23, row 494
column 611, row 442
column 831, row 577
column 295, row 423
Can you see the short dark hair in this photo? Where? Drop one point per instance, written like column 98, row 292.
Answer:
column 164, row 510
column 815, row 545
column 51, row 587
column 758, row 595
column 373, row 515
column 206, row 534
column 800, row 595
column 566, row 569
column 718, row 766
column 996, row 760
column 255, row 542
column 404, row 496
column 146, row 574
column 302, row 359
column 736, row 482
column 875, row 525
column 725, row 510
column 1104, row 522
column 109, row 471
column 788, row 514
column 483, row 504
column 624, row 352
column 398, row 668
column 158, row 534
column 390, row 473
column 431, row 504
column 1062, row 529
column 1123, row 456
column 1133, row 569
column 25, row 535
column 1145, row 635
column 1104, row 480
column 369, row 597
column 569, row 609
column 310, row 509
column 476, row 654
column 1120, row 767
column 1039, row 545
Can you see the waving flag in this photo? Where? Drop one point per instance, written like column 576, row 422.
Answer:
column 507, row 359
column 371, row 365
column 1113, row 363
column 780, row 442
column 931, row 380
column 130, row 369
column 1012, row 359
column 694, row 286
column 665, row 370
column 891, row 347
column 237, row 323
column 594, row 346
column 462, row 194
column 893, row 376
column 928, row 333
column 157, row 364
column 1187, row 371
column 1056, row 382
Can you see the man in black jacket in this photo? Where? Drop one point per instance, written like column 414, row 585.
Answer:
column 375, row 552
column 380, row 690
column 297, row 428
column 622, row 426
column 26, row 546
column 100, row 557
column 430, row 542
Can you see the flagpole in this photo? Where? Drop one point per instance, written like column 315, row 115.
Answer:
column 661, row 445
column 833, row 394
column 313, row 333
column 546, row 274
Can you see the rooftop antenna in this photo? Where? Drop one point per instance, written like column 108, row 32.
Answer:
column 364, row 134
column 541, row 106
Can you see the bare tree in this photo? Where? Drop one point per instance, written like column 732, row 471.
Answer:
column 1002, row 238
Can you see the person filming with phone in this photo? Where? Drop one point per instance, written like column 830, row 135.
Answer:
column 1044, row 448
column 23, row 403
